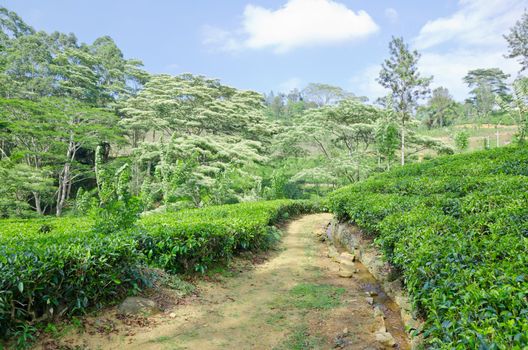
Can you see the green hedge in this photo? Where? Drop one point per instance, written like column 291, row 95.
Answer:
column 64, row 266
column 457, row 228
column 193, row 239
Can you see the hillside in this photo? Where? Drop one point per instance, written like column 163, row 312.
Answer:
column 456, row 229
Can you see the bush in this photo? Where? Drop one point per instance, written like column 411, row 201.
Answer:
column 457, row 228
column 69, row 265
column 67, row 269
column 462, row 140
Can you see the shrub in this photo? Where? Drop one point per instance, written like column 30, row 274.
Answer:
column 67, row 265
column 457, row 228
column 462, row 140
column 44, row 273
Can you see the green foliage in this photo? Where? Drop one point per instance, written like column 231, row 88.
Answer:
column 487, row 85
column 399, row 73
column 190, row 240
column 462, row 140
column 205, row 132
column 457, row 229
column 517, row 107
column 281, row 187
column 441, row 110
column 65, row 268
column 117, row 209
column 517, row 40
column 62, row 265
column 316, row 296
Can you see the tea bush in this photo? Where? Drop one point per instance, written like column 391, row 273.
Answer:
column 195, row 238
column 50, row 266
column 457, row 228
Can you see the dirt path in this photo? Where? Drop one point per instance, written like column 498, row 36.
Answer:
column 294, row 300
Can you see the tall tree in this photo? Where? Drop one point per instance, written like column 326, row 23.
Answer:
column 83, row 126
column 399, row 73
column 204, row 129
column 518, row 41
column 486, row 85
column 31, row 140
column 517, row 107
column 441, row 109
column 494, row 78
column 324, row 94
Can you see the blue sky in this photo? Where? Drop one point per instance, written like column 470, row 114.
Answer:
column 282, row 44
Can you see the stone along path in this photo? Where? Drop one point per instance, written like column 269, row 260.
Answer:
column 294, row 300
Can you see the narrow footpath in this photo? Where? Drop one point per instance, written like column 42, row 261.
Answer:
column 295, row 299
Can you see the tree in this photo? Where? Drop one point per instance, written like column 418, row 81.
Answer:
column 517, row 107
column 342, row 134
column 518, row 41
column 486, row 85
column 200, row 129
column 400, row 75
column 28, row 66
column 441, row 110
column 462, row 140
column 277, row 106
column 30, row 140
column 116, row 209
column 83, row 126
column 387, row 137
column 493, row 78
column 46, row 135
column 324, row 94
column 97, row 74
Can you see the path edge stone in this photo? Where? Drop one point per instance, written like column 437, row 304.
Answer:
column 351, row 238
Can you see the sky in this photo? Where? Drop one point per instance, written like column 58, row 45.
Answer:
column 284, row 44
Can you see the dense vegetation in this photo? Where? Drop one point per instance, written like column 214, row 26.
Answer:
column 139, row 170
column 64, row 265
column 457, row 230
column 192, row 141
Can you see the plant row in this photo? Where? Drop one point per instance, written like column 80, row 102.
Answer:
column 457, row 229
column 60, row 266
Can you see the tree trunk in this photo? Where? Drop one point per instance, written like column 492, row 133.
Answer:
column 63, row 188
column 65, row 177
column 358, row 169
column 403, row 145
column 38, row 206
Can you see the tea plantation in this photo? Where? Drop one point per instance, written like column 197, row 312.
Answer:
column 457, row 230
column 51, row 266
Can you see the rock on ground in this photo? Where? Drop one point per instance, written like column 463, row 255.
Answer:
column 385, row 338
column 138, row 306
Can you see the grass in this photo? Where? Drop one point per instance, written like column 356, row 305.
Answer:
column 476, row 134
column 161, row 339
column 301, row 339
column 316, row 296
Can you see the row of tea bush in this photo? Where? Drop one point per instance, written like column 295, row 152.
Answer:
column 457, row 230
column 63, row 265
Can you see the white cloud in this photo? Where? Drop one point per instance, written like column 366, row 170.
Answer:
column 290, row 84
column 392, row 15
column 477, row 22
column 470, row 38
column 298, row 23
column 219, row 39
column 365, row 83
column 448, row 68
